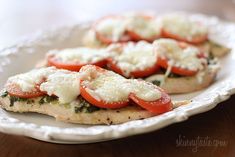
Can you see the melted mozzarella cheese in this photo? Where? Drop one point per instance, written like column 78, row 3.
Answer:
column 113, row 28
column 109, row 87
column 146, row 28
column 80, row 55
column 63, row 84
column 183, row 26
column 136, row 57
column 145, row 91
column 112, row 87
column 184, row 58
column 27, row 81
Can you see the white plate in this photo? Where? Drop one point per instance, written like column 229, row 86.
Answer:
column 23, row 56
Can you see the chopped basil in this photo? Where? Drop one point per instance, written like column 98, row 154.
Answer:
column 156, row 82
column 172, row 75
column 85, row 106
column 4, row 94
column 91, row 109
column 41, row 101
column 30, row 101
column 51, row 98
column 14, row 99
column 47, row 99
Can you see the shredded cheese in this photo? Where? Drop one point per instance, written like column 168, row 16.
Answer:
column 81, row 55
column 113, row 28
column 61, row 83
column 146, row 28
column 111, row 87
column 179, row 57
column 64, row 84
column 27, row 81
column 183, row 26
column 135, row 56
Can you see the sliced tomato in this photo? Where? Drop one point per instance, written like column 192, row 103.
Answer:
column 14, row 90
column 195, row 40
column 91, row 99
column 107, row 40
column 137, row 73
column 158, row 106
column 137, row 37
column 100, row 103
column 163, row 62
column 52, row 61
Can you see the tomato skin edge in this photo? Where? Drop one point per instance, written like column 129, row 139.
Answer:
column 195, row 41
column 72, row 67
column 107, row 40
column 137, row 74
column 100, row 103
column 14, row 90
column 162, row 62
column 157, row 106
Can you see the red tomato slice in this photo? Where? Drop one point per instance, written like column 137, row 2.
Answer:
column 196, row 40
column 91, row 99
column 163, row 62
column 159, row 106
column 14, row 90
column 107, row 40
column 138, row 73
column 52, row 61
column 137, row 37
column 100, row 103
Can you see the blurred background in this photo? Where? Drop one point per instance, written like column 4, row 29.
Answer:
column 19, row 18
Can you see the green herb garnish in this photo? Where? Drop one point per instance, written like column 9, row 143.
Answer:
column 47, row 99
column 172, row 75
column 4, row 94
column 30, row 101
column 41, row 101
column 85, row 106
column 156, row 82
column 14, row 99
